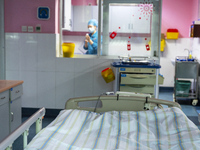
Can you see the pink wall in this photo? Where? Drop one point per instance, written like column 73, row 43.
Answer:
column 84, row 2
column 179, row 14
column 24, row 13
column 176, row 14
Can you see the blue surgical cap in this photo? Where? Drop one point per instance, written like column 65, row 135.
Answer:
column 93, row 22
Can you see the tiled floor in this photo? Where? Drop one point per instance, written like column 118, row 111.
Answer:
column 190, row 111
column 165, row 94
column 18, row 144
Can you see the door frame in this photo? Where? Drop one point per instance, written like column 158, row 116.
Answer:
column 2, row 42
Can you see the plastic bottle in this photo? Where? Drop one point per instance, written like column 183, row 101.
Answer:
column 190, row 54
column 129, row 57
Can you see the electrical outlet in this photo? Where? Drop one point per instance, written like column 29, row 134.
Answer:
column 24, row 28
column 38, row 28
column 30, row 28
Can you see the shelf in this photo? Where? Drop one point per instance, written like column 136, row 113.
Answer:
column 190, row 97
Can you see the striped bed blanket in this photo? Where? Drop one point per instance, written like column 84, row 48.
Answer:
column 159, row 129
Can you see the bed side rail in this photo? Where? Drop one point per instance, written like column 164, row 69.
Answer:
column 23, row 129
column 118, row 103
column 163, row 102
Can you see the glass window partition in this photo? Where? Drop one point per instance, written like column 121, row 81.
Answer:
column 131, row 28
column 79, row 26
column 127, row 27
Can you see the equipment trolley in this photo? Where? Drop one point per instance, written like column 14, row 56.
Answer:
column 186, row 80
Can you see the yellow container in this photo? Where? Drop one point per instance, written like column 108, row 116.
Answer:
column 68, row 49
column 162, row 45
column 172, row 35
column 108, row 75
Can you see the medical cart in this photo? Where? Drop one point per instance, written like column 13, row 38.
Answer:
column 186, row 80
column 137, row 77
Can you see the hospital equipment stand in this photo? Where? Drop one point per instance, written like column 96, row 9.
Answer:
column 187, row 70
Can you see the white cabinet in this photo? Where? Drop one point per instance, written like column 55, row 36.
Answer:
column 95, row 12
column 118, row 19
column 128, row 19
column 10, row 110
column 4, row 114
column 15, row 112
column 15, row 107
column 67, row 15
column 81, row 16
column 139, row 22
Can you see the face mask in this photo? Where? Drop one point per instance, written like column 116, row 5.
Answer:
column 91, row 30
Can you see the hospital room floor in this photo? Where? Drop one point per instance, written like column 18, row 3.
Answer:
column 165, row 94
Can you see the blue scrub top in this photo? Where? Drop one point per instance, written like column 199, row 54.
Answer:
column 92, row 49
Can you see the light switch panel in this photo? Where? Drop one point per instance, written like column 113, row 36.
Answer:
column 30, row 28
column 24, row 28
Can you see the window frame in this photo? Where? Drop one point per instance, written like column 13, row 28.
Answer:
column 156, row 34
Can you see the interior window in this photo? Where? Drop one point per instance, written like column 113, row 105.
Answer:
column 80, row 27
column 126, row 28
column 129, row 29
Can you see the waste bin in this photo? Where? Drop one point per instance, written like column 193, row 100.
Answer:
column 182, row 88
column 108, row 75
column 68, row 49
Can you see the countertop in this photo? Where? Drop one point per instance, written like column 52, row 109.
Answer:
column 119, row 64
column 8, row 84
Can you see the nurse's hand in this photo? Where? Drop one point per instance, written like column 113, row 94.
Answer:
column 86, row 43
column 87, row 37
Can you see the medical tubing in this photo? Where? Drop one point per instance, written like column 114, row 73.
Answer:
column 98, row 101
column 146, row 99
column 160, row 106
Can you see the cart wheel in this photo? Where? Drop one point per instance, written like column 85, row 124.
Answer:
column 194, row 102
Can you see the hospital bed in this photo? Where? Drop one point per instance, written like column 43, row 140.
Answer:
column 113, row 122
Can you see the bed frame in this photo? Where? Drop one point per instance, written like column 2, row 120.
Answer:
column 23, row 130
column 119, row 103
column 107, row 103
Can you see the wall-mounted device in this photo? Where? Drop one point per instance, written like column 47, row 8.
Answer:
column 38, row 28
column 195, row 29
column 43, row 13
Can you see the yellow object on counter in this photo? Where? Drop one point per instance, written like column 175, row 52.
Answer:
column 68, row 49
column 108, row 75
column 190, row 54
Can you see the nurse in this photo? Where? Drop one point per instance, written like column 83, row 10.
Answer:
column 91, row 39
